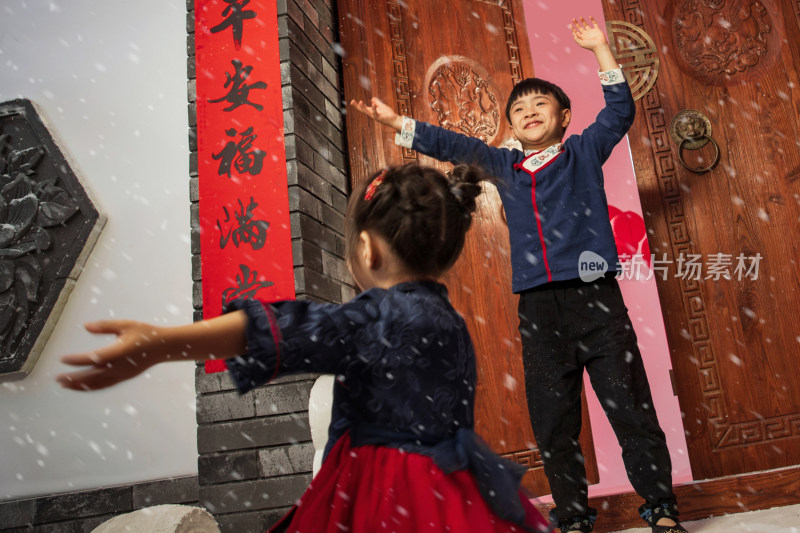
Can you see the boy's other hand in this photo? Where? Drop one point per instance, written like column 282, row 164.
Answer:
column 379, row 111
column 588, row 36
column 136, row 349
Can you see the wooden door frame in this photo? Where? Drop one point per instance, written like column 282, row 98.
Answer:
column 392, row 67
column 703, row 499
column 710, row 497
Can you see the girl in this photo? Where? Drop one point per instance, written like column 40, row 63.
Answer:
column 402, row 454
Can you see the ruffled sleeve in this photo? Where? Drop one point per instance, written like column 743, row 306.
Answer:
column 295, row 336
column 290, row 337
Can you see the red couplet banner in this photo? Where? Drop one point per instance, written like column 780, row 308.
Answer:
column 245, row 238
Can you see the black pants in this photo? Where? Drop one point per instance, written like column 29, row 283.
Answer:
column 569, row 326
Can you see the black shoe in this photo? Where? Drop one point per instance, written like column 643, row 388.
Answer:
column 584, row 526
column 667, row 508
column 677, row 528
column 584, row 523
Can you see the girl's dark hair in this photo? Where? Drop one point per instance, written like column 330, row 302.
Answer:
column 538, row 86
column 422, row 213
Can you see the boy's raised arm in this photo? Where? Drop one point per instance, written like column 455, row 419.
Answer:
column 591, row 37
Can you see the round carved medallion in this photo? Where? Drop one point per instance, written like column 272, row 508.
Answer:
column 636, row 53
column 722, row 41
column 460, row 95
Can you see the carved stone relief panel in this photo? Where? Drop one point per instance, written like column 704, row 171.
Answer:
column 721, row 41
column 48, row 225
column 460, row 94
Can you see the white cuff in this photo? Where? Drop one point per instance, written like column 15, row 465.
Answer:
column 612, row 77
column 405, row 137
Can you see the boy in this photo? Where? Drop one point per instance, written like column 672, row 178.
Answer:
column 570, row 320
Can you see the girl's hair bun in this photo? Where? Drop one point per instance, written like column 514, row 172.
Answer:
column 465, row 185
column 421, row 212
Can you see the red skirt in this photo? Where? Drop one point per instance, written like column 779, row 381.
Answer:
column 371, row 489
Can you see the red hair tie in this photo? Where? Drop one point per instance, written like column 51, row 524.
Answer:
column 374, row 185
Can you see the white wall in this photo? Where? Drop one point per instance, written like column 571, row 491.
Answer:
column 111, row 77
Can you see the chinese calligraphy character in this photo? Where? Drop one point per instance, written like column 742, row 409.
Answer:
column 239, row 155
column 236, row 15
column 252, row 232
column 239, row 91
column 718, row 266
column 689, row 268
column 247, row 286
column 752, row 271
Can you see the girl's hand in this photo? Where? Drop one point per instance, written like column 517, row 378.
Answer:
column 379, row 111
column 589, row 37
column 138, row 347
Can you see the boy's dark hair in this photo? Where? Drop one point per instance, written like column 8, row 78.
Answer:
column 538, row 86
column 421, row 212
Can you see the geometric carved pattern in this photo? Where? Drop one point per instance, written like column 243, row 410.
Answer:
column 48, row 225
column 399, row 59
column 512, row 43
column 461, row 97
column 401, row 83
column 529, row 458
column 717, row 39
column 724, row 433
column 767, row 429
column 691, row 293
column 635, row 51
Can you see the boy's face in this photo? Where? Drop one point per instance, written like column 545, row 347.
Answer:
column 538, row 121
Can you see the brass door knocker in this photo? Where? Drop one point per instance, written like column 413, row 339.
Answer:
column 691, row 130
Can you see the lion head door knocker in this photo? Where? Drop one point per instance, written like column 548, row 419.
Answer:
column 691, row 130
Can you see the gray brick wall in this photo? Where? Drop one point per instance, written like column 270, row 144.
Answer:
column 255, row 449
column 82, row 511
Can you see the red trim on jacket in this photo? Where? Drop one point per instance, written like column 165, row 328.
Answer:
column 277, row 338
column 520, row 165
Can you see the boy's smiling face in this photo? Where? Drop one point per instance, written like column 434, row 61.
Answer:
column 538, row 121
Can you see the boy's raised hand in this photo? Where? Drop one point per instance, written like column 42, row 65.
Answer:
column 588, row 36
column 377, row 110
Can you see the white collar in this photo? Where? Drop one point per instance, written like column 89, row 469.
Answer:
column 535, row 160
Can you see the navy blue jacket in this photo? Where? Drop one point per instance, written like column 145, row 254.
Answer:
column 402, row 357
column 556, row 208
column 405, row 375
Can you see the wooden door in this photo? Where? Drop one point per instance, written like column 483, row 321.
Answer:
column 453, row 64
column 734, row 343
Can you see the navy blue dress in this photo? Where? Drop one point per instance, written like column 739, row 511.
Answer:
column 405, row 382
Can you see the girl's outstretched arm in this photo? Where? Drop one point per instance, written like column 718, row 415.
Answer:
column 139, row 346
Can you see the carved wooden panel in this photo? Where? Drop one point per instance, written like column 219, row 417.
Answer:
column 730, row 342
column 460, row 94
column 411, row 56
column 394, row 12
column 48, row 225
column 717, row 40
